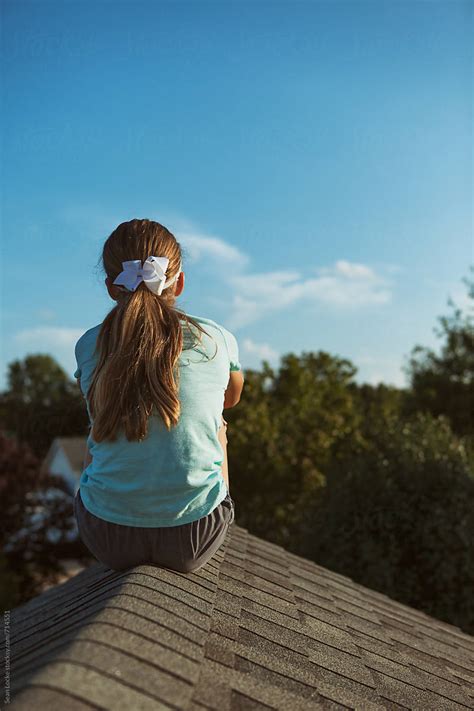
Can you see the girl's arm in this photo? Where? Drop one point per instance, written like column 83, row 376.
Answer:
column 87, row 458
column 234, row 389
column 87, row 455
column 222, row 436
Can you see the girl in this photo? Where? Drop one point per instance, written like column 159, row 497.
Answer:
column 155, row 487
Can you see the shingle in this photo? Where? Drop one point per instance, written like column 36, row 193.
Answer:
column 268, row 564
column 357, row 608
column 431, row 663
column 125, row 612
column 261, row 645
column 51, row 699
column 329, row 634
column 459, row 673
column 386, row 647
column 372, row 629
column 241, row 702
column 276, row 590
column 212, row 690
column 469, row 691
column 102, row 690
column 348, row 665
column 285, row 681
column 292, row 621
column 296, row 667
column 196, row 706
column 316, row 588
column 320, row 612
column 136, row 669
column 53, row 595
column 450, row 689
column 314, row 598
column 226, row 626
column 234, row 560
column 396, row 669
column 228, row 602
column 240, row 588
column 349, row 697
column 233, row 683
column 217, row 650
column 270, row 576
column 273, row 632
column 345, row 690
column 447, row 652
column 257, row 627
column 412, row 696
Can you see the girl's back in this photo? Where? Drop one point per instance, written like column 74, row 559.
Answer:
column 172, row 476
column 154, row 379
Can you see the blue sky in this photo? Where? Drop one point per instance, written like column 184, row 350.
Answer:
column 313, row 158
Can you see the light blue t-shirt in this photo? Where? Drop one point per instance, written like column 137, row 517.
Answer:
column 171, row 477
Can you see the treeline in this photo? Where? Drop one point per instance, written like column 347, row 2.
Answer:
column 374, row 482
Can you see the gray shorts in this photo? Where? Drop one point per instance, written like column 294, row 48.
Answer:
column 182, row 548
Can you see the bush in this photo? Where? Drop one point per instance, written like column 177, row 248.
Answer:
column 397, row 515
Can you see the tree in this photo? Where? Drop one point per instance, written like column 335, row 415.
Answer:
column 397, row 515
column 41, row 402
column 444, row 384
column 281, row 436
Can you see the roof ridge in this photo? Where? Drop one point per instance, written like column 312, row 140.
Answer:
column 223, row 636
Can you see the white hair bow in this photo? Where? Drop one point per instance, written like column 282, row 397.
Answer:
column 153, row 273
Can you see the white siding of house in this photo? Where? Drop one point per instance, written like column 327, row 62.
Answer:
column 60, row 465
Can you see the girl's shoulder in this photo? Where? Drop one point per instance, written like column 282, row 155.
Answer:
column 87, row 337
column 86, row 343
column 210, row 322
column 228, row 337
column 201, row 319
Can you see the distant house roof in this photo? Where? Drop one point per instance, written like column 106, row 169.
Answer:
column 257, row 627
column 74, row 449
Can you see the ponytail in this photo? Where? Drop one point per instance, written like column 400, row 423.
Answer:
column 138, row 345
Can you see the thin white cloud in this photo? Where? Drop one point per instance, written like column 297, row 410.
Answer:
column 260, row 350
column 352, row 270
column 249, row 296
column 346, row 284
column 260, row 283
column 349, row 292
column 47, row 337
column 199, row 246
column 196, row 243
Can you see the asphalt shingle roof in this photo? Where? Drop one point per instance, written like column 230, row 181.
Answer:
column 257, row 627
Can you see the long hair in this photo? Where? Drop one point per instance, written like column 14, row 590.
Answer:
column 140, row 340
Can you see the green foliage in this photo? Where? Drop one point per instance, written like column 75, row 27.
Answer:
column 397, row 515
column 281, row 437
column 41, row 402
column 10, row 585
column 444, row 383
column 369, row 481
column 376, row 483
column 376, row 403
